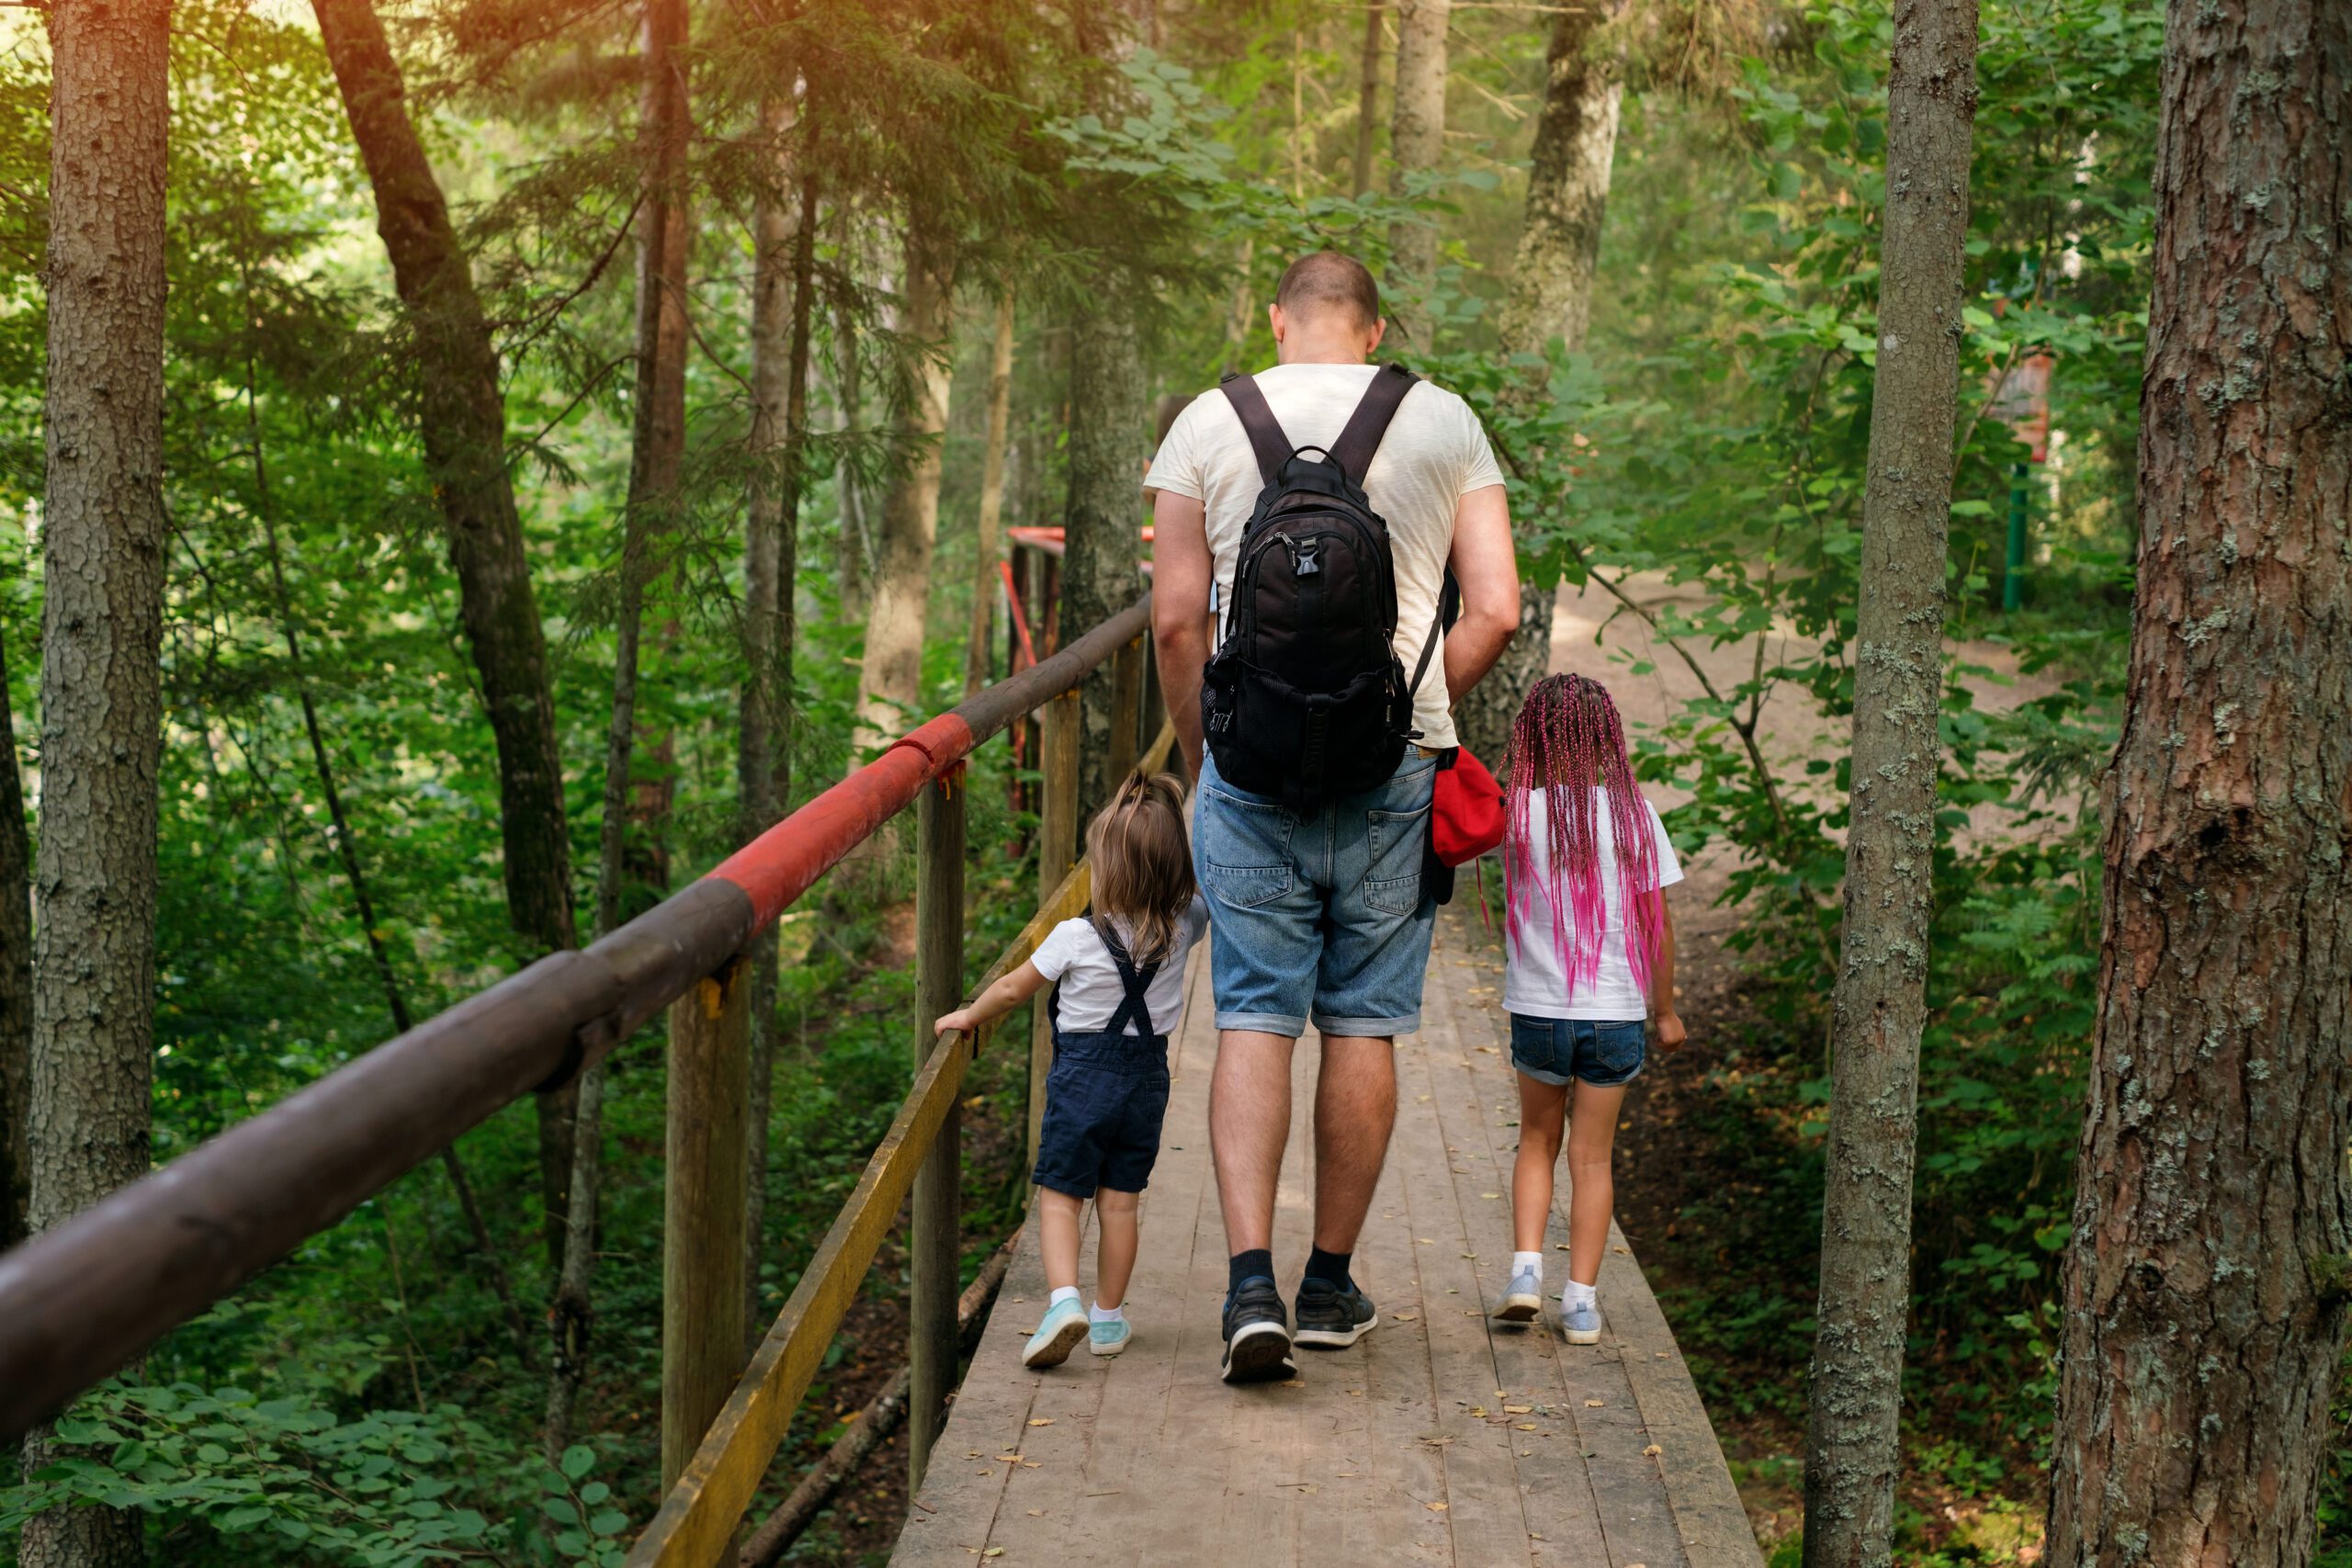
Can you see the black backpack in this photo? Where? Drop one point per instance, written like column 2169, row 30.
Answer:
column 1307, row 701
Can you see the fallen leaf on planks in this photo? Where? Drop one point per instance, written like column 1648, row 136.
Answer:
column 1592, row 1404
column 1403, row 1316
column 1526, row 1425
column 1008, row 1458
column 1520, row 1409
column 1623, row 1251
column 1490, row 1194
column 1652, row 1451
column 1036, row 1513
column 1437, row 1507
column 1041, row 1420
column 1491, row 1050
column 1478, row 1410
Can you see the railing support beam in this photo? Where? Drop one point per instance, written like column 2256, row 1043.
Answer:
column 702, row 1229
column 936, row 1244
column 1126, row 709
column 1057, row 851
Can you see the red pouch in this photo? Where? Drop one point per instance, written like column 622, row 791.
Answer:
column 1466, row 810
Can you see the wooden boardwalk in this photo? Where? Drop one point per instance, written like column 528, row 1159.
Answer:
column 1440, row 1438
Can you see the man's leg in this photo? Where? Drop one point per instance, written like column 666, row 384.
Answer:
column 1248, row 1124
column 1355, row 1107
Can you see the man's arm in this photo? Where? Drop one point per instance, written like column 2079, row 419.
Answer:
column 1182, row 571
column 1486, row 566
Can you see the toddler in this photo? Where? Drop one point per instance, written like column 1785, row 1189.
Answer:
column 1588, row 951
column 1121, row 992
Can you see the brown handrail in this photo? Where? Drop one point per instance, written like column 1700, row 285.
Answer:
column 86, row 1297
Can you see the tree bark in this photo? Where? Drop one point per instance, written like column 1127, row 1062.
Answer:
column 1880, row 1002
column 1110, row 442
column 1550, row 297
column 15, row 978
column 889, row 682
column 782, row 285
column 850, row 548
column 2208, row 1281
column 88, row 1129
column 1415, row 147
column 462, row 418
column 1368, row 98
column 657, row 455
column 990, row 550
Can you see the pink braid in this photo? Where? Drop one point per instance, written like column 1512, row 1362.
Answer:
column 1567, row 740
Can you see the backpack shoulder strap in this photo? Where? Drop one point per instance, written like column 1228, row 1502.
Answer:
column 1266, row 437
column 1354, row 448
column 1449, row 607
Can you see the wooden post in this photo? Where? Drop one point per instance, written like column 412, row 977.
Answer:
column 1155, row 701
column 936, row 1243
column 701, row 1221
column 1057, row 850
column 1126, row 709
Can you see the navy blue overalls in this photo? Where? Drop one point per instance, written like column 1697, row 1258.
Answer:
column 1107, row 1092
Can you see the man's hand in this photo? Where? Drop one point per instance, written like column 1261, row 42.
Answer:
column 1182, row 571
column 1488, row 567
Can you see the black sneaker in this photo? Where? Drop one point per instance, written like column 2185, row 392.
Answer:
column 1257, row 1335
column 1330, row 1318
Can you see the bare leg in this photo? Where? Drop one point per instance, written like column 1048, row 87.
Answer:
column 1249, row 1124
column 1592, row 1135
column 1355, row 1107
column 1115, row 1241
column 1058, row 1217
column 1542, row 1117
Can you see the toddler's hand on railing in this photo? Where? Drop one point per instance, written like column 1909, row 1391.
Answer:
column 962, row 1018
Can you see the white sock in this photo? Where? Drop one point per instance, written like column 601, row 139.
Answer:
column 1573, row 1294
column 1101, row 1313
column 1061, row 1293
column 1528, row 1262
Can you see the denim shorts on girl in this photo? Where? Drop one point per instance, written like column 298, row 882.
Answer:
column 1603, row 1053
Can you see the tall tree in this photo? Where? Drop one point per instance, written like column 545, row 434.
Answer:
column 889, row 682
column 657, row 456
column 462, row 416
column 16, row 977
column 1368, row 97
column 2210, row 1272
column 1415, row 147
column 1550, row 297
column 101, row 673
column 985, row 583
column 1880, row 1003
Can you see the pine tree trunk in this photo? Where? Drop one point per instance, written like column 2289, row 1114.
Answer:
column 986, row 588
column 782, row 285
column 889, row 682
column 15, row 978
column 87, row 1128
column 657, row 455
column 851, row 549
column 463, row 420
column 1416, row 146
column 2208, row 1281
column 1110, row 436
column 1880, row 1002
column 1368, row 98
column 1550, row 297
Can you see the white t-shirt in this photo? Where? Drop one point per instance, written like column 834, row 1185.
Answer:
column 1073, row 955
column 1535, row 979
column 1434, row 453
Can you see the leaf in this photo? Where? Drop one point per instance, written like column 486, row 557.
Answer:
column 1592, row 1404
column 1652, row 1451
column 577, row 1460
column 610, row 1522
column 1437, row 1507
column 237, row 1520
column 1041, row 1420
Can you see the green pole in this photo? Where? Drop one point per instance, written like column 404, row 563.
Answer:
column 2013, row 579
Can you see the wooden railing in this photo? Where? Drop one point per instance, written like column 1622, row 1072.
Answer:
column 87, row 1297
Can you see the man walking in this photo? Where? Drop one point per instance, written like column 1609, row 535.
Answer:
column 1315, row 892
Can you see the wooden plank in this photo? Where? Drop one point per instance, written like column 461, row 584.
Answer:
column 699, row 1514
column 702, row 1219
column 1555, row 1488
column 935, row 1241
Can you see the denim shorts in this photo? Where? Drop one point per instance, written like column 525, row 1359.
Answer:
column 1105, row 1098
column 1317, row 914
column 1603, row 1053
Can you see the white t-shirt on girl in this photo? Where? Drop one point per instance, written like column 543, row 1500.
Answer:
column 1073, row 955
column 1535, row 980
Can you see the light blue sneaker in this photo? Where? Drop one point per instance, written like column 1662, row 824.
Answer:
column 1056, row 1338
column 1580, row 1324
column 1523, row 1299
column 1108, row 1338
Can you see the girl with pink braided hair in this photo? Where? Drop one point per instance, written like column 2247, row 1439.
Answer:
column 1589, row 972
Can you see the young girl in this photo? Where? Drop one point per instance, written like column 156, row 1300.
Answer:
column 1589, row 955
column 1122, row 990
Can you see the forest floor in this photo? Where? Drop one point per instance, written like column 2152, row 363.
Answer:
column 1702, row 1164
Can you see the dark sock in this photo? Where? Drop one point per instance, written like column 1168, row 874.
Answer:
column 1258, row 1261
column 1331, row 1265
